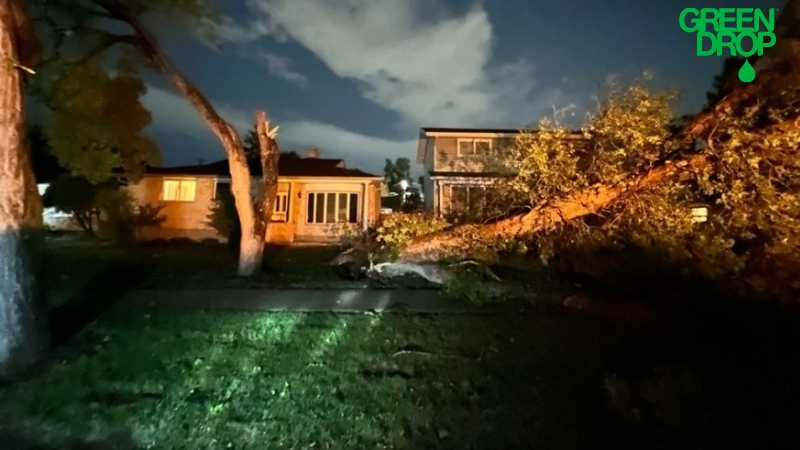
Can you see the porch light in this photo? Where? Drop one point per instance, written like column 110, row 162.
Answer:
column 699, row 213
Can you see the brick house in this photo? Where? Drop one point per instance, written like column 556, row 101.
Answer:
column 315, row 196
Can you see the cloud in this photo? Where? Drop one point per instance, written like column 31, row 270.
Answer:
column 280, row 66
column 428, row 65
column 175, row 121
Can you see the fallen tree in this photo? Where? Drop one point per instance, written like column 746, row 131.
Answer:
column 742, row 112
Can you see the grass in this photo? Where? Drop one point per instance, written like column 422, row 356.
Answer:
column 75, row 265
column 200, row 380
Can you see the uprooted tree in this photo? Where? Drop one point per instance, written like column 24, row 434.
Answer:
column 631, row 177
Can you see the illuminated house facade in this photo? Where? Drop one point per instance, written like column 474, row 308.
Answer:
column 457, row 164
column 315, row 196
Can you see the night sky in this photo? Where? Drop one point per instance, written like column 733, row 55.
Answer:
column 360, row 78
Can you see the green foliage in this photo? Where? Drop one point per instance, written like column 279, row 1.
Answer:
column 468, row 285
column 122, row 219
column 751, row 185
column 223, row 216
column 98, row 123
column 77, row 196
column 396, row 171
column 397, row 230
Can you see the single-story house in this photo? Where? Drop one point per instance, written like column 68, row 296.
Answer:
column 315, row 196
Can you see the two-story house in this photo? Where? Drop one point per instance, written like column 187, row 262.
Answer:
column 460, row 166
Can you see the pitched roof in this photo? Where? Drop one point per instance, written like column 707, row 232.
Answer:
column 470, row 130
column 287, row 167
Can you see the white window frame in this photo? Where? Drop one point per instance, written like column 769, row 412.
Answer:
column 280, row 213
column 180, row 182
column 474, row 148
column 349, row 194
column 218, row 182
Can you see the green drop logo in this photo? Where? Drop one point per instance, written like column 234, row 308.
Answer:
column 747, row 73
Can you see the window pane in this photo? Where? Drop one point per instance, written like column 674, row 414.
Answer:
column 286, row 203
column 458, row 198
column 465, row 148
column 330, row 208
column 482, row 147
column 476, row 202
column 310, row 211
column 353, row 217
column 170, row 189
column 319, row 214
column 186, row 190
column 341, row 215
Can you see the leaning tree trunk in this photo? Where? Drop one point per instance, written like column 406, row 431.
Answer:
column 251, row 249
column 22, row 336
column 269, row 168
column 780, row 64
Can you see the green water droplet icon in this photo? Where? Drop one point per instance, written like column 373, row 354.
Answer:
column 747, row 73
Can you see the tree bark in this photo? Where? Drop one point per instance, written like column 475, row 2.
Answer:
column 252, row 242
column 269, row 168
column 22, row 335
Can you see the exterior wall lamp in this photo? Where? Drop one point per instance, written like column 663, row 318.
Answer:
column 699, row 212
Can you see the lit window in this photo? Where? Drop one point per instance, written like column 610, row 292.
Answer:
column 179, row 190
column 474, row 147
column 329, row 207
column 281, row 209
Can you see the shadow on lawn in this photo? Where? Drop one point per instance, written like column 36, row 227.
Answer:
column 94, row 298
column 16, row 440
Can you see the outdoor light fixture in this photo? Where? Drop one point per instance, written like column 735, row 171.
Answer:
column 699, row 213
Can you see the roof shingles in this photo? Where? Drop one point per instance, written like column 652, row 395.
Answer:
column 287, row 167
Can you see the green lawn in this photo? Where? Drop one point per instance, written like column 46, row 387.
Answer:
column 73, row 266
column 203, row 380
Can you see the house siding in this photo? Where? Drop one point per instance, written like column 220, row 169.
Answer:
column 189, row 219
column 446, row 158
column 181, row 219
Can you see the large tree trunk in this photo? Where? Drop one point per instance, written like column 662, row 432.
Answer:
column 455, row 242
column 269, row 168
column 251, row 248
column 22, row 336
column 778, row 68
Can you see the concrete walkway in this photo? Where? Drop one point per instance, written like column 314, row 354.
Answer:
column 307, row 300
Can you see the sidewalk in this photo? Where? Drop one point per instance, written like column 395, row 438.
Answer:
column 295, row 300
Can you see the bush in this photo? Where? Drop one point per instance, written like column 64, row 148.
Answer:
column 224, row 218
column 122, row 219
column 396, row 231
column 468, row 285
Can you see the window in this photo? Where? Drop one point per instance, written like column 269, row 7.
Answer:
column 474, row 202
column 474, row 147
column 179, row 190
column 329, row 207
column 222, row 190
column 281, row 210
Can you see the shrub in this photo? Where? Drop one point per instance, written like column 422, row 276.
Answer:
column 396, row 231
column 468, row 285
column 223, row 216
column 122, row 219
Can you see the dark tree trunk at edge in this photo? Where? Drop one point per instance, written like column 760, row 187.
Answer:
column 22, row 336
